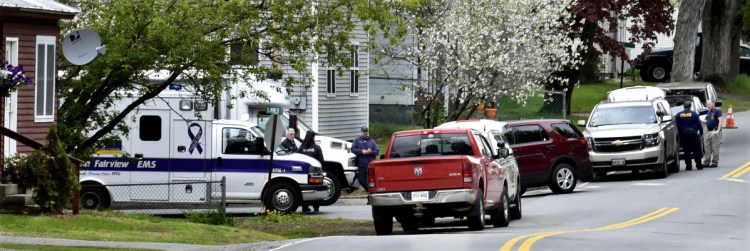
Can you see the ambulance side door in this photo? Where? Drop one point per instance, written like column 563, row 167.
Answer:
column 189, row 168
column 239, row 160
column 150, row 146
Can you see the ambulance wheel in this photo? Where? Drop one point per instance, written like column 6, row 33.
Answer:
column 334, row 189
column 282, row 197
column 94, row 197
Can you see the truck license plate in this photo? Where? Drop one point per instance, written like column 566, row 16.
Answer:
column 618, row 162
column 420, row 196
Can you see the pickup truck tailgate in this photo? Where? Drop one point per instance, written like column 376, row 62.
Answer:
column 415, row 174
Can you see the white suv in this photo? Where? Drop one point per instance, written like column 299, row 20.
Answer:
column 633, row 136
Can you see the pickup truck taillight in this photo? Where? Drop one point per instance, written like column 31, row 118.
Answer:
column 370, row 177
column 466, row 172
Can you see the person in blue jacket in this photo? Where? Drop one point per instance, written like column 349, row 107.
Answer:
column 366, row 150
column 691, row 131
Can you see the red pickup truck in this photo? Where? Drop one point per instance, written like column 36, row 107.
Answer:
column 433, row 173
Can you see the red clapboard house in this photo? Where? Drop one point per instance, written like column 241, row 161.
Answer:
column 29, row 31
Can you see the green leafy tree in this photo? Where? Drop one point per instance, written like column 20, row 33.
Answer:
column 154, row 43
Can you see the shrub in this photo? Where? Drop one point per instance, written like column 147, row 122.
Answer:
column 51, row 174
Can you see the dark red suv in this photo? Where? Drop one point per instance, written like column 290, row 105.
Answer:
column 549, row 152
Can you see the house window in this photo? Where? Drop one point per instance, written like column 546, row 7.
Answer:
column 355, row 56
column 243, row 54
column 11, row 50
column 44, row 81
column 331, row 83
column 354, row 82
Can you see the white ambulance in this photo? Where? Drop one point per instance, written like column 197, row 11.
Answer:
column 174, row 139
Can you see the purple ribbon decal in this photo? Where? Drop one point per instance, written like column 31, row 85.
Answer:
column 196, row 144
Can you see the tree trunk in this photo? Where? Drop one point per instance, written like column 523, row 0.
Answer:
column 721, row 26
column 684, row 40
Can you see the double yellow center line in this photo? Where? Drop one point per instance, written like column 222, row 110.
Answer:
column 532, row 238
column 736, row 173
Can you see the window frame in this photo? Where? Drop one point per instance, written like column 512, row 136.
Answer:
column 331, row 82
column 149, row 128
column 354, row 83
column 47, row 95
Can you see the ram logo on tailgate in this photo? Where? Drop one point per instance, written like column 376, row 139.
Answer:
column 417, row 171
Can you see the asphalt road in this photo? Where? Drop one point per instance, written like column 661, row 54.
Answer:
column 689, row 210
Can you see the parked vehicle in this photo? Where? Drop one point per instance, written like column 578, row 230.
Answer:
column 432, row 173
column 703, row 90
column 339, row 166
column 633, row 135
column 550, row 152
column 184, row 144
column 676, row 103
column 494, row 131
column 657, row 65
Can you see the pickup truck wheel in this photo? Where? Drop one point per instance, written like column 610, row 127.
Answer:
column 334, row 189
column 515, row 212
column 409, row 223
column 501, row 217
column 94, row 197
column 282, row 197
column 476, row 215
column 383, row 221
column 522, row 191
column 563, row 179
column 659, row 72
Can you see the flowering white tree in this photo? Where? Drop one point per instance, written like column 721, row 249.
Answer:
column 478, row 50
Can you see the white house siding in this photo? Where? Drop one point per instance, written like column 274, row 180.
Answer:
column 342, row 115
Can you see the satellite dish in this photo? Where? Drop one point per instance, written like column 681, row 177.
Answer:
column 81, row 46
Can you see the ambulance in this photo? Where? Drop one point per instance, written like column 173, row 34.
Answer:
column 176, row 139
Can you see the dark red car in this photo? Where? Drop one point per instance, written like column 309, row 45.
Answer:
column 549, row 152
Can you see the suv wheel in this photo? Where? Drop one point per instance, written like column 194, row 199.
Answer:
column 664, row 171
column 563, row 179
column 675, row 166
column 515, row 212
column 659, row 72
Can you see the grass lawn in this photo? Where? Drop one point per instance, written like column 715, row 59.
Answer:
column 62, row 248
column 113, row 226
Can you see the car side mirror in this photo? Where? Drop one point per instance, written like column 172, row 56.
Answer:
column 382, row 156
column 581, row 122
column 703, row 112
column 666, row 118
column 501, row 144
column 717, row 103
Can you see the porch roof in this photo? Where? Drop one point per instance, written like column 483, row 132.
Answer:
column 43, row 6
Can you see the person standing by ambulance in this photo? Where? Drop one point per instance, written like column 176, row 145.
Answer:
column 311, row 149
column 712, row 140
column 690, row 129
column 366, row 150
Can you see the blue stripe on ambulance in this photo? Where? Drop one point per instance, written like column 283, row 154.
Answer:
column 191, row 165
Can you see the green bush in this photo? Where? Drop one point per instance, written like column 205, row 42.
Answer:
column 51, row 175
column 210, row 218
column 740, row 85
column 273, row 216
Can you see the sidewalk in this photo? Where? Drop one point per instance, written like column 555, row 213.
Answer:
column 143, row 245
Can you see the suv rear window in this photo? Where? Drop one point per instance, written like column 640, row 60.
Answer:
column 700, row 93
column 567, row 131
column 623, row 115
column 431, row 145
column 529, row 133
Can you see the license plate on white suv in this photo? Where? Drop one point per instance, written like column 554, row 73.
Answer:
column 618, row 162
column 420, row 196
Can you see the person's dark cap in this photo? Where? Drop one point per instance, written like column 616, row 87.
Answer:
column 364, row 129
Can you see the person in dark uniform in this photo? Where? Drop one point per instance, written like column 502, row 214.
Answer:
column 311, row 149
column 365, row 148
column 691, row 130
column 289, row 144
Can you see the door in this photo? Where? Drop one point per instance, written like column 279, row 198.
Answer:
column 493, row 172
column 532, row 149
column 11, row 103
column 150, row 145
column 669, row 128
column 189, row 162
column 239, row 160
